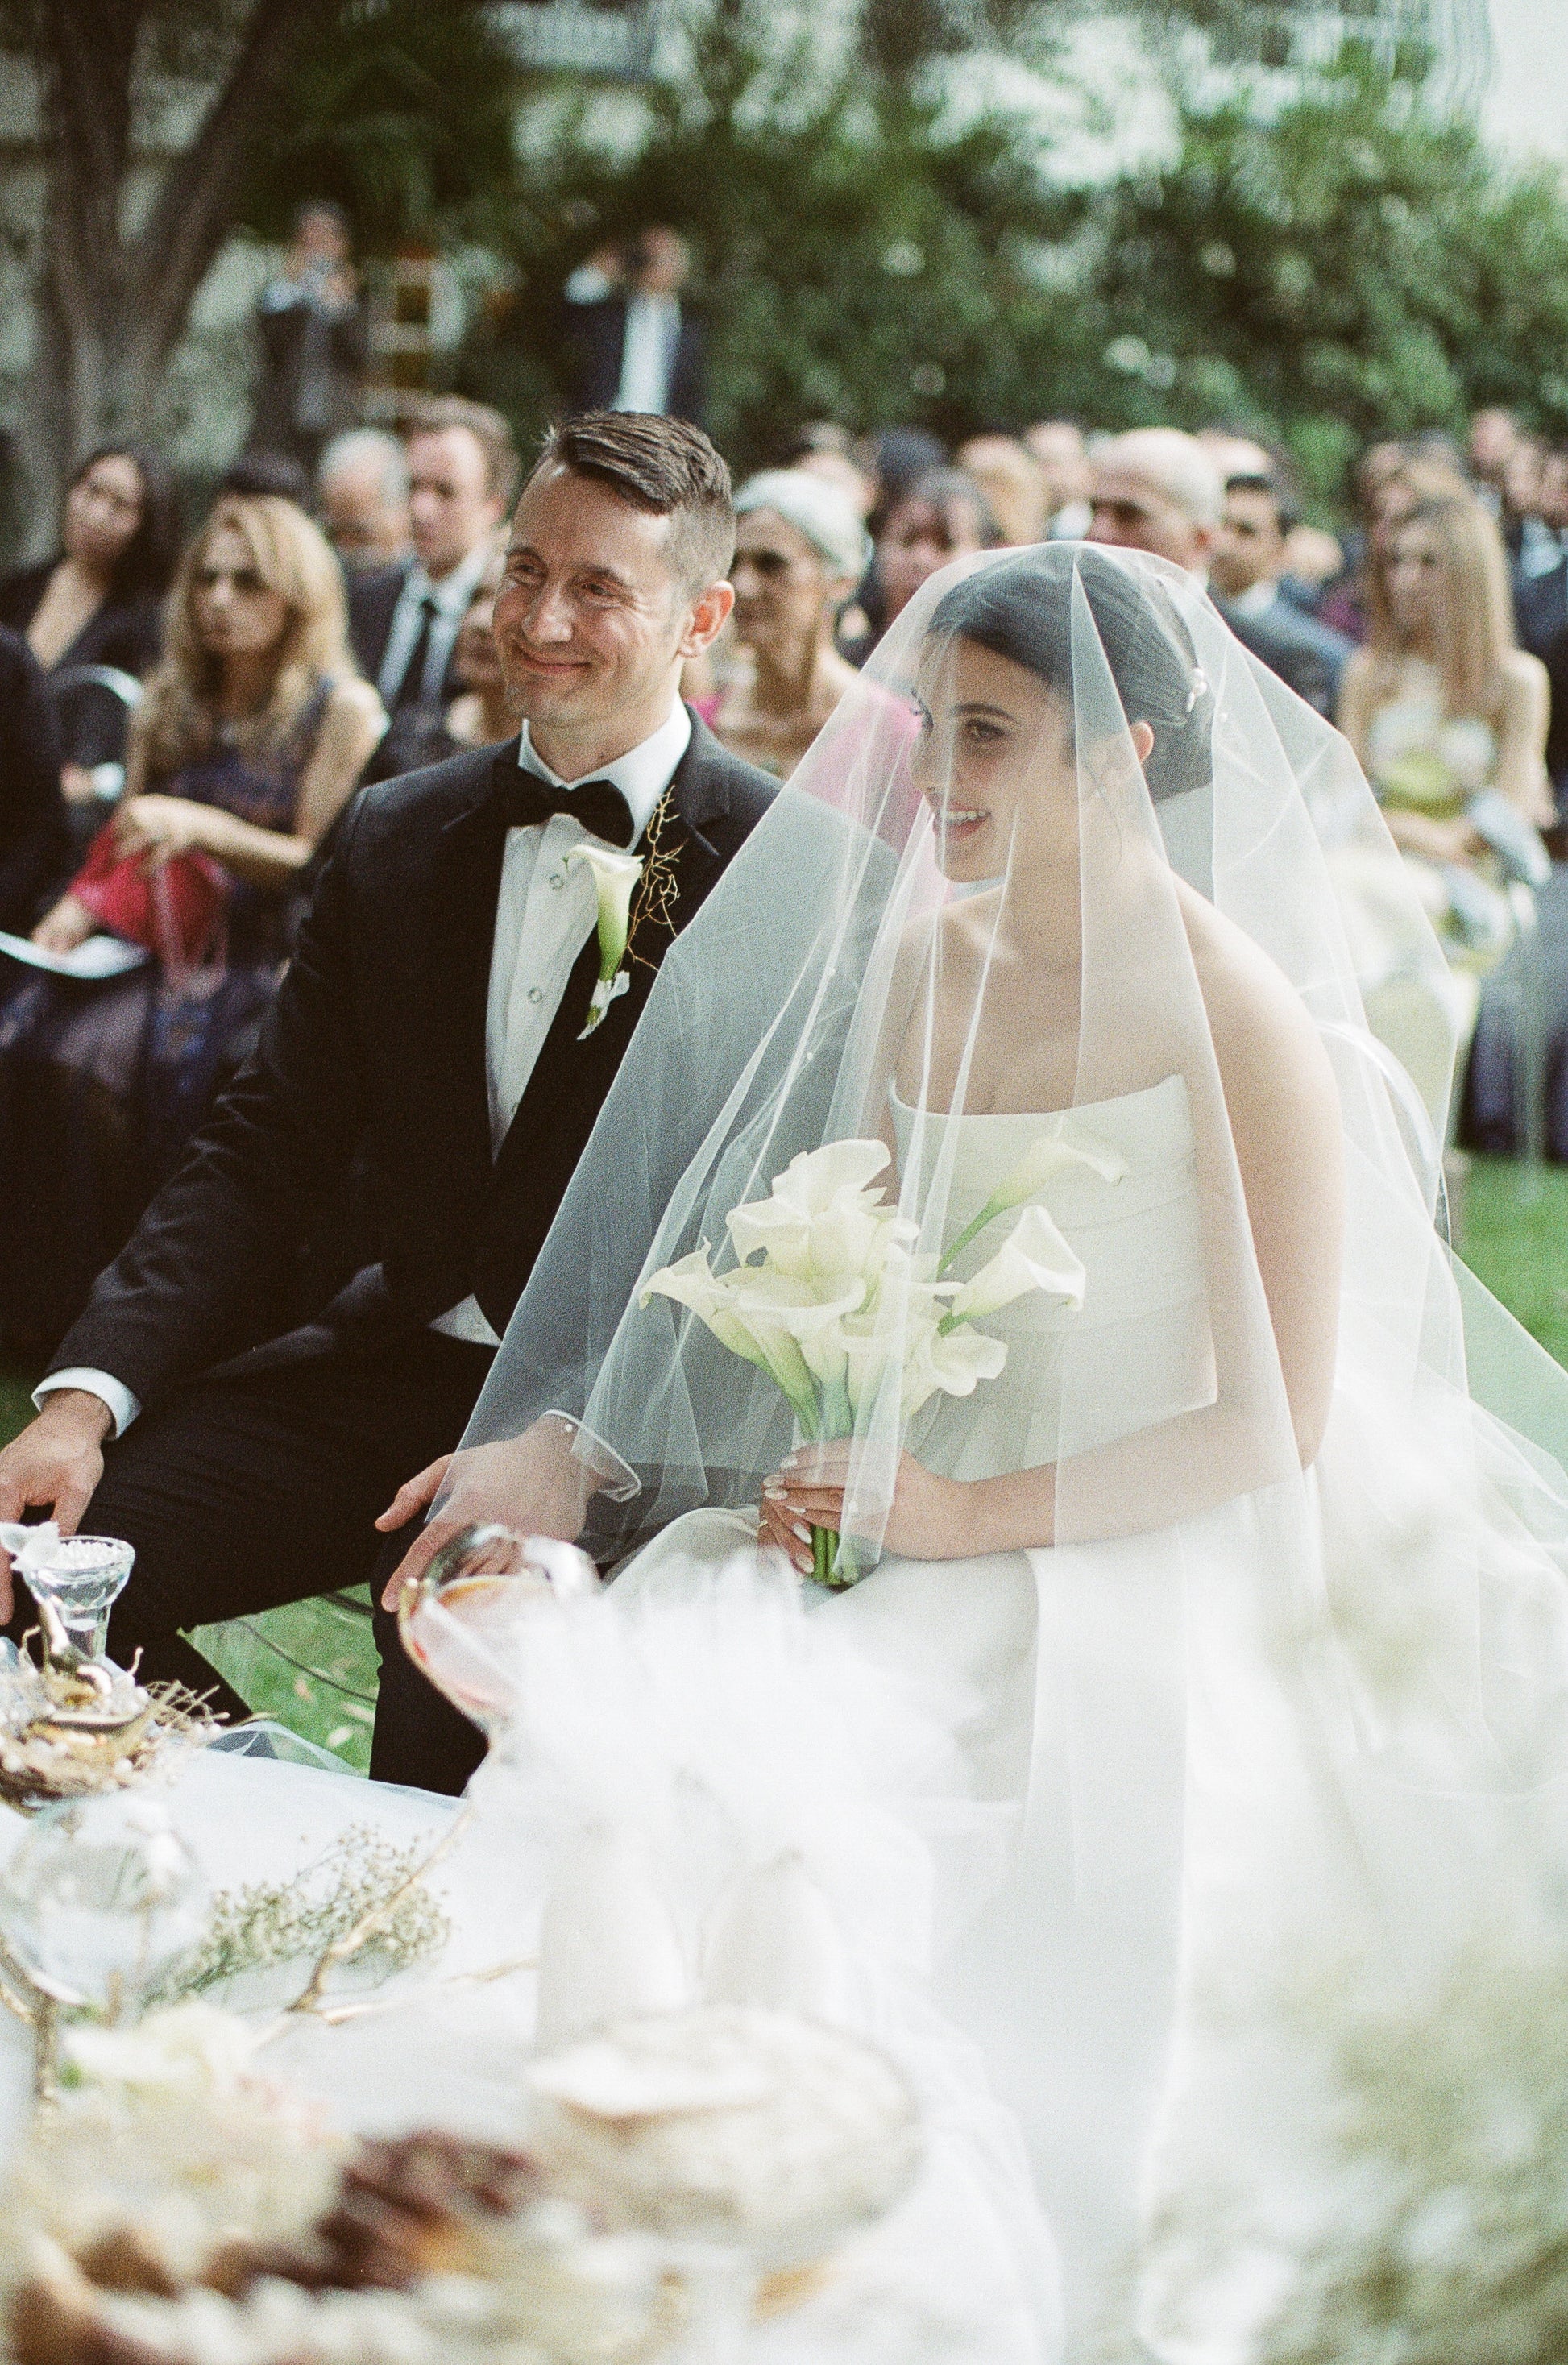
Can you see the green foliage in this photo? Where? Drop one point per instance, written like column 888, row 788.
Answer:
column 1351, row 268
column 399, row 109
column 857, row 260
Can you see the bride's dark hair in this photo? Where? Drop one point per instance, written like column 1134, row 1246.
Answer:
column 1022, row 609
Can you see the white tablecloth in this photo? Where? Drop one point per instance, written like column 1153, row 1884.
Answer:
column 448, row 2052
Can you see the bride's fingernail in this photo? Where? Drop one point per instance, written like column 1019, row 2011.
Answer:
column 804, row 1533
column 789, row 1461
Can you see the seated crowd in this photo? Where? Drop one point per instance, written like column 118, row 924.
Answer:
column 184, row 731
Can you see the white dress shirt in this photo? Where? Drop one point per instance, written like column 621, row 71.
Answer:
column 648, row 354
column 452, row 598
column 545, row 914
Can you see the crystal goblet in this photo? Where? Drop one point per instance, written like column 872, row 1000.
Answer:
column 82, row 1578
column 459, row 1621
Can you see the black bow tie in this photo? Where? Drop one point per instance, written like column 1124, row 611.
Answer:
column 522, row 799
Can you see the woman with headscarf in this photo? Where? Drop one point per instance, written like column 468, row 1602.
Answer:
column 799, row 551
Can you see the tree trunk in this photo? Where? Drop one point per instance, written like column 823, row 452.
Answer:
column 112, row 309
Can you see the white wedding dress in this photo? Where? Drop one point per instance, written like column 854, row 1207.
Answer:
column 1062, row 1675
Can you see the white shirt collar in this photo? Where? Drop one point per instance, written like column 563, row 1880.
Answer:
column 454, row 592
column 642, row 775
column 1257, row 600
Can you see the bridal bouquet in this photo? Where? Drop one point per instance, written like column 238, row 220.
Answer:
column 828, row 1292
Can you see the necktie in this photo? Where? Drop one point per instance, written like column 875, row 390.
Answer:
column 520, row 799
column 410, row 690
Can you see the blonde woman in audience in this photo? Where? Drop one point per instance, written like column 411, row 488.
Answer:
column 252, row 733
column 800, row 549
column 1449, row 718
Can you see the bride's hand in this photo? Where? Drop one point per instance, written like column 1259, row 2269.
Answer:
column 925, row 1520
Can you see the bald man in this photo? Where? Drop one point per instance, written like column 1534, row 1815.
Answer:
column 1158, row 491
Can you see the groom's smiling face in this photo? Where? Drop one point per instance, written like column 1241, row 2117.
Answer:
column 592, row 619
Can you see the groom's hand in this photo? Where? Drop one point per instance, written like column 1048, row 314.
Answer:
column 53, row 1467
column 531, row 1484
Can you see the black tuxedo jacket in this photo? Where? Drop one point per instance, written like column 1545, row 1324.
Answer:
column 595, row 336
column 375, row 1049
column 1309, row 656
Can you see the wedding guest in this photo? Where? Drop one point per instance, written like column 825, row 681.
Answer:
column 942, row 515
column 1058, row 446
column 483, row 711
column 903, row 455
column 1012, row 482
column 267, row 476
column 431, row 1024
column 1540, row 602
column 799, row 551
column 311, row 330
column 404, row 621
column 98, row 600
column 1249, row 559
column 1157, row 489
column 1494, row 434
column 362, row 497
column 1391, row 482
column 34, row 838
column 1439, row 706
column 630, row 344
column 822, row 448
column 252, row 732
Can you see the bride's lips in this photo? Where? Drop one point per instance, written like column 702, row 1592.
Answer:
column 957, row 824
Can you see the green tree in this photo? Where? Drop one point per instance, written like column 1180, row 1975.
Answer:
column 1353, row 268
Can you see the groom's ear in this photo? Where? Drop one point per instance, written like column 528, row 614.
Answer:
column 707, row 617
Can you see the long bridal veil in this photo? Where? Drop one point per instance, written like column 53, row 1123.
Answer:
column 819, row 971
column 1372, row 1651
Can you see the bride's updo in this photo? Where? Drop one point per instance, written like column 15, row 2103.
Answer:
column 1022, row 609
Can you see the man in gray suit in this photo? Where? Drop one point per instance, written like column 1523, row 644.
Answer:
column 1244, row 575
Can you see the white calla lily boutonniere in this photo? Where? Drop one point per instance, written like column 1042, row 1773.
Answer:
column 615, row 878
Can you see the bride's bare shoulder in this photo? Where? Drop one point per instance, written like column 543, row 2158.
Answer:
column 1266, row 1044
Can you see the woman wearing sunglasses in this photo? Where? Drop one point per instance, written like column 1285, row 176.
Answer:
column 252, row 734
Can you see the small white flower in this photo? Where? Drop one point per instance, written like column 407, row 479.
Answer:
column 615, row 878
column 1033, row 1256
column 950, row 1365
column 1053, row 1153
column 192, row 2045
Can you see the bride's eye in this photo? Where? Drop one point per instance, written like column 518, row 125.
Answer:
column 982, row 735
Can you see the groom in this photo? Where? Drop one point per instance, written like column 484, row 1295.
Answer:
column 426, row 1048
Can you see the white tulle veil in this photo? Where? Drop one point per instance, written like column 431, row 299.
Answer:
column 825, row 979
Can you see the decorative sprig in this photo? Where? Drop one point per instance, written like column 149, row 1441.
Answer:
column 361, row 1879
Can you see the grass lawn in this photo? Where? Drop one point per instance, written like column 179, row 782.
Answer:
column 313, row 1667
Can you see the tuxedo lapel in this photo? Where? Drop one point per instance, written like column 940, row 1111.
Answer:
column 465, row 877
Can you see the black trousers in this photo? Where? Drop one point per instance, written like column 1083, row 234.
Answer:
column 241, row 1495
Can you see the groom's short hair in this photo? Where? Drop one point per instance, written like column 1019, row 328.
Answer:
column 663, row 466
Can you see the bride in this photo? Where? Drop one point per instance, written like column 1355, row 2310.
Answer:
column 1224, row 1579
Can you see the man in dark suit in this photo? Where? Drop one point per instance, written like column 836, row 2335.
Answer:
column 431, row 1025
column 1244, row 572
column 404, row 619
column 630, row 344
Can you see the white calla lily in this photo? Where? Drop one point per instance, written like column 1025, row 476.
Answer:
column 821, row 1217
column 950, row 1363
column 692, row 1283
column 615, row 878
column 1033, row 1256
column 1057, row 1152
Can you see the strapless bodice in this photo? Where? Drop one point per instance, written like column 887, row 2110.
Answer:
column 1140, row 1349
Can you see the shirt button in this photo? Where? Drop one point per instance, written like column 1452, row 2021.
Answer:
column 536, row 993
column 557, row 878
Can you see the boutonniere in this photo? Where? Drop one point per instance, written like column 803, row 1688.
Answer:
column 615, row 878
